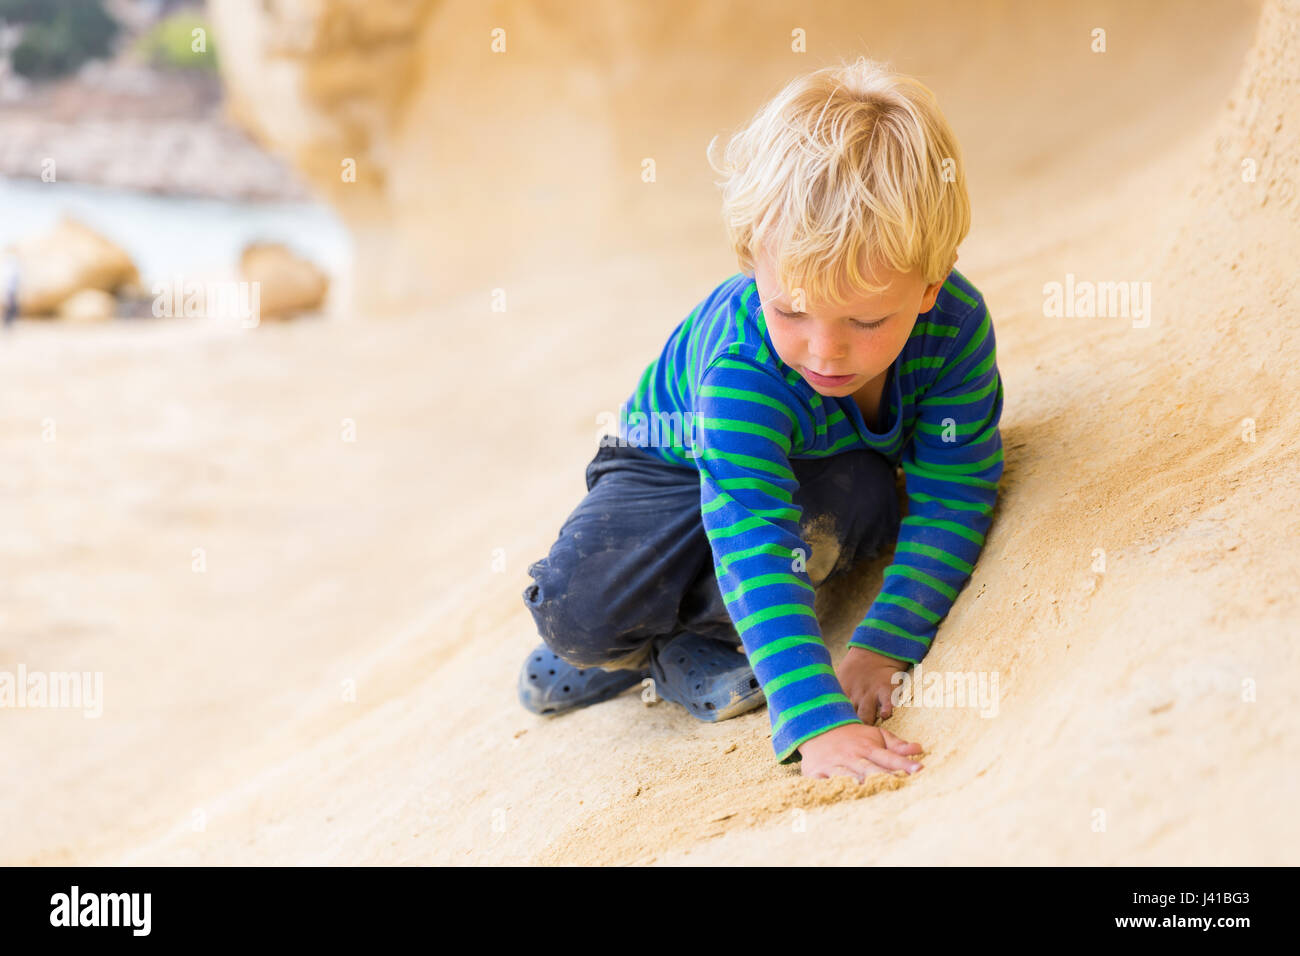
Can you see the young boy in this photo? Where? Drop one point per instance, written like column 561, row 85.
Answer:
column 758, row 455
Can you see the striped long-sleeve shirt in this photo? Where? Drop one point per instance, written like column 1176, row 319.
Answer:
column 718, row 398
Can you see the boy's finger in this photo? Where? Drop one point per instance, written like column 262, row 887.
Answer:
column 903, row 747
column 886, row 705
column 893, row 761
column 867, row 711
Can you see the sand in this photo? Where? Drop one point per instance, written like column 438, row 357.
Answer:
column 338, row 685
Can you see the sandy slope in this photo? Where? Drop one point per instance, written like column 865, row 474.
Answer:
column 225, row 737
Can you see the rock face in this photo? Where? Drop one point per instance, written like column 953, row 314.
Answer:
column 321, row 83
column 53, row 267
column 467, row 144
column 459, row 138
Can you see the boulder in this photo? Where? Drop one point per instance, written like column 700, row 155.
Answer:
column 287, row 283
column 88, row 305
column 56, row 265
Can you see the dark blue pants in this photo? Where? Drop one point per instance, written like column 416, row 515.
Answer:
column 633, row 563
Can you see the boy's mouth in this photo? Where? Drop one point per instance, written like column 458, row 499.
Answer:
column 826, row 381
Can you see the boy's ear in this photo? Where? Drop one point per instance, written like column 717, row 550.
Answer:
column 931, row 295
column 932, row 291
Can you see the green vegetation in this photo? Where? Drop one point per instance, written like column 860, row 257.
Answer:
column 59, row 35
column 171, row 42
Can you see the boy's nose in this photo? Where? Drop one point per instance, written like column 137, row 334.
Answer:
column 826, row 351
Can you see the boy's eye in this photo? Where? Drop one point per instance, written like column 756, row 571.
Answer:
column 854, row 322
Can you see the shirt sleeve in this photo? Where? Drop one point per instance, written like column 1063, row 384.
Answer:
column 745, row 430
column 951, row 466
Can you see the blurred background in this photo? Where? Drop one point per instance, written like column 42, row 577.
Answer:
column 313, row 309
column 120, row 162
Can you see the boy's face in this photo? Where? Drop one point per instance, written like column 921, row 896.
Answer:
column 839, row 351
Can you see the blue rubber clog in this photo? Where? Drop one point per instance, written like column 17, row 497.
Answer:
column 549, row 685
column 711, row 679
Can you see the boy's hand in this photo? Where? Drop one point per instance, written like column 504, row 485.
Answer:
column 854, row 750
column 868, row 682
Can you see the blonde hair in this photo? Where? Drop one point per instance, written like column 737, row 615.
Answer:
column 848, row 167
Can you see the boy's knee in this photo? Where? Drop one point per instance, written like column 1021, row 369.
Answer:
column 868, row 479
column 574, row 621
column 851, row 510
